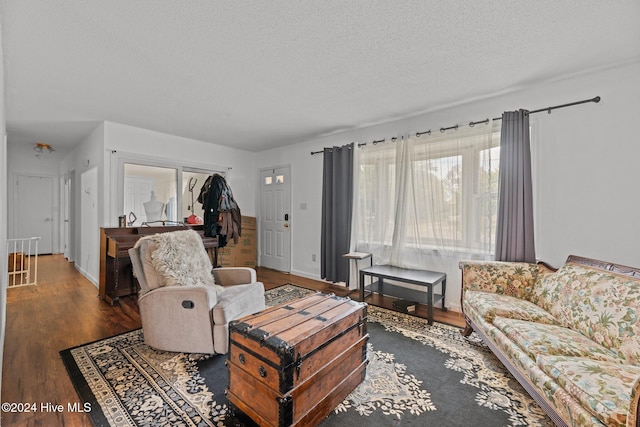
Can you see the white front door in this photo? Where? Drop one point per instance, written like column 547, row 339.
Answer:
column 34, row 210
column 275, row 221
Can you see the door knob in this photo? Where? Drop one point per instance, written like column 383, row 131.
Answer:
column 286, row 226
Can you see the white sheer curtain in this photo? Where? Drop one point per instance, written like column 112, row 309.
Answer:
column 428, row 202
column 374, row 200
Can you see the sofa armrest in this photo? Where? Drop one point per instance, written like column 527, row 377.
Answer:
column 179, row 318
column 509, row 278
column 229, row 276
column 170, row 299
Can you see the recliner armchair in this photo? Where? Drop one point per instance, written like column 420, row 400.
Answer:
column 185, row 304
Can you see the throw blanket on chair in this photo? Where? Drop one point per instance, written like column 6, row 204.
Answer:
column 181, row 260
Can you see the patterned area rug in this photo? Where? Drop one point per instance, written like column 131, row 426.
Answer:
column 417, row 375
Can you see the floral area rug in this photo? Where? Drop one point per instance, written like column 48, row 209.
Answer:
column 417, row 375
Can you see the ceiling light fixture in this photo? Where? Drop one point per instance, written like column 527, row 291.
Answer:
column 43, row 150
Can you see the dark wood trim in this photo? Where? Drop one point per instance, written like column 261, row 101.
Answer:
column 547, row 266
column 604, row 265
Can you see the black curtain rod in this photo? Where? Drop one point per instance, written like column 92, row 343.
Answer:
column 360, row 144
column 485, row 121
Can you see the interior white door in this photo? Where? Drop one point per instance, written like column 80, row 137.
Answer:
column 34, row 210
column 137, row 191
column 275, row 221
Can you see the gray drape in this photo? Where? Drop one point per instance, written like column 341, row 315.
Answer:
column 337, row 202
column 514, row 230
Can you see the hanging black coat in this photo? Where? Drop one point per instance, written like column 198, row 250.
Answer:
column 221, row 212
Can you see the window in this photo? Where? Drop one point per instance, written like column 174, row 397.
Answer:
column 430, row 193
column 174, row 185
column 192, row 182
column 144, row 188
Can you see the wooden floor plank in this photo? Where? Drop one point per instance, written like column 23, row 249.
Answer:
column 64, row 311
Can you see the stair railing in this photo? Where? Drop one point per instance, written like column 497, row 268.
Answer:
column 23, row 261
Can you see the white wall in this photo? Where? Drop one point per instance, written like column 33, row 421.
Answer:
column 87, row 155
column 585, row 168
column 3, row 214
column 587, row 200
column 89, row 262
column 131, row 140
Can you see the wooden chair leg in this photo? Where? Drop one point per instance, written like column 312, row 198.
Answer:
column 467, row 330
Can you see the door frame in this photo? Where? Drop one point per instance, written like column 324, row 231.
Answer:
column 68, row 225
column 287, row 268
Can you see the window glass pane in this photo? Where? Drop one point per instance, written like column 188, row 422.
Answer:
column 486, row 197
column 438, row 200
column 448, row 195
column 280, row 179
column 150, row 194
column 268, row 180
column 192, row 183
column 376, row 197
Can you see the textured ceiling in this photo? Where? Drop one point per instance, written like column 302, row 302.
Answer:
column 256, row 74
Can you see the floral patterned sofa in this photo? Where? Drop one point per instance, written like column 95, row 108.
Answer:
column 570, row 336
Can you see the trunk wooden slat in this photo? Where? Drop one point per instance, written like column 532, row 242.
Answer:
column 292, row 364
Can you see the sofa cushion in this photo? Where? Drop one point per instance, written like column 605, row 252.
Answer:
column 552, row 292
column 604, row 388
column 490, row 305
column 566, row 406
column 515, row 279
column 541, row 339
column 604, row 306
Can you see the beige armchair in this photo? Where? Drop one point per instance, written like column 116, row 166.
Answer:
column 185, row 305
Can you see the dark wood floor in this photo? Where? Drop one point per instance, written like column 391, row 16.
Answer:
column 64, row 311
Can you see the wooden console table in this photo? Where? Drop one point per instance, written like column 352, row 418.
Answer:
column 116, row 274
column 425, row 278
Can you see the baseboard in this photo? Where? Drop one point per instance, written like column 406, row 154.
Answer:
column 87, row 276
column 307, row 275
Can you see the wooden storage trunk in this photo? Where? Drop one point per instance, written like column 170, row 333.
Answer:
column 292, row 364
